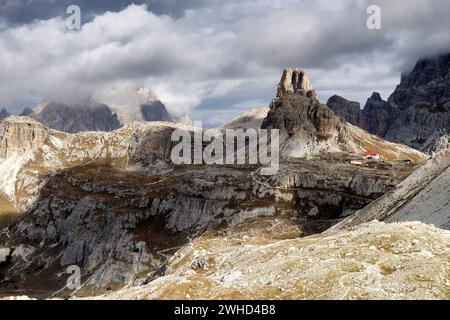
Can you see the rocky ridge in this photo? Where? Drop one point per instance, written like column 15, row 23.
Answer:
column 417, row 112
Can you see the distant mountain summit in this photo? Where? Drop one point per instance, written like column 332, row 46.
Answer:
column 376, row 116
column 87, row 114
column 417, row 112
column 4, row 114
column 143, row 105
column 422, row 103
column 26, row 112
column 349, row 110
column 73, row 117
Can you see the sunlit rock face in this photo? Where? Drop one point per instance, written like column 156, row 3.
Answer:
column 20, row 135
column 295, row 81
column 371, row 261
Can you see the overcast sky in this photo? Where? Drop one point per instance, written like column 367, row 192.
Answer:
column 210, row 58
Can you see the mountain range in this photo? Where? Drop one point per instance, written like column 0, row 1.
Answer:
column 141, row 227
column 86, row 114
column 416, row 113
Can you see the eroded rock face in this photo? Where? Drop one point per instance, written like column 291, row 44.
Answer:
column 422, row 102
column 297, row 109
column 20, row 136
column 436, row 143
column 296, row 112
column 349, row 110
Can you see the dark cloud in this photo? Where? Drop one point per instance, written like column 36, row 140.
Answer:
column 216, row 56
column 25, row 11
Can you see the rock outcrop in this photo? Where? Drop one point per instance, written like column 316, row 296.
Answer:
column 73, row 117
column 19, row 136
column 309, row 128
column 348, row 110
column 295, row 81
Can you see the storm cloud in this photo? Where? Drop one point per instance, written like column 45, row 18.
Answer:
column 212, row 58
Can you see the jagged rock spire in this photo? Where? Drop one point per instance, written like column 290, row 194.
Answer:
column 295, row 81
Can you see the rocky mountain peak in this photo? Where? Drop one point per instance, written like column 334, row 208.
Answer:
column 308, row 128
column 375, row 97
column 349, row 110
column 76, row 116
column 142, row 105
column 295, row 81
column 26, row 112
column 422, row 103
column 296, row 108
column 4, row 114
column 426, row 86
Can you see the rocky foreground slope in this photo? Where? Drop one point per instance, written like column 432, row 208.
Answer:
column 423, row 196
column 371, row 261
